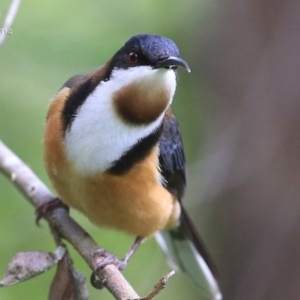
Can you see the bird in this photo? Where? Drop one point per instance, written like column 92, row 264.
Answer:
column 113, row 151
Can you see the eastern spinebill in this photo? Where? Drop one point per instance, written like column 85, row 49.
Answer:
column 113, row 151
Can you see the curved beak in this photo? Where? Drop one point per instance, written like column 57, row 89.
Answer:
column 172, row 61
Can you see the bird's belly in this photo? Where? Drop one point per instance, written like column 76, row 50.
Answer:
column 135, row 208
column 134, row 202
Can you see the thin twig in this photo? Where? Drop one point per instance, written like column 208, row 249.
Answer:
column 11, row 14
column 159, row 286
column 37, row 193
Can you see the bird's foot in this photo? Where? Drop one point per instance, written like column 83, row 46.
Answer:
column 48, row 206
column 107, row 259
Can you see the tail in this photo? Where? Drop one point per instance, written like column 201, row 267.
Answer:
column 186, row 251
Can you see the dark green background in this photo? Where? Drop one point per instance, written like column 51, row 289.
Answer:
column 52, row 41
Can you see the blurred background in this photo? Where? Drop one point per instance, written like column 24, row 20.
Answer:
column 239, row 114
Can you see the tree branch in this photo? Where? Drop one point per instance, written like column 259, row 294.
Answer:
column 11, row 14
column 38, row 194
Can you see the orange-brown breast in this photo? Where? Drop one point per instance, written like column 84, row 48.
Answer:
column 134, row 202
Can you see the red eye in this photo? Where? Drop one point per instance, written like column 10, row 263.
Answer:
column 133, row 58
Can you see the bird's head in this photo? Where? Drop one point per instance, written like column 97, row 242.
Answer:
column 148, row 50
column 142, row 75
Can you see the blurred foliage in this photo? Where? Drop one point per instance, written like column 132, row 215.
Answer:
column 50, row 43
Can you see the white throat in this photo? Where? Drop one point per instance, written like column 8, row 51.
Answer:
column 98, row 136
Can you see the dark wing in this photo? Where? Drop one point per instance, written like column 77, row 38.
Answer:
column 172, row 163
column 75, row 81
column 171, row 156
